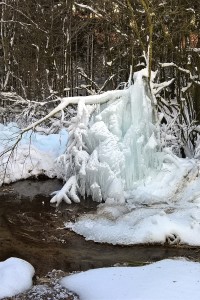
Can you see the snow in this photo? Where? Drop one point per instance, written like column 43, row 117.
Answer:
column 165, row 209
column 34, row 155
column 15, row 277
column 166, row 279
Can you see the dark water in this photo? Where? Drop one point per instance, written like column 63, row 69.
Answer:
column 32, row 229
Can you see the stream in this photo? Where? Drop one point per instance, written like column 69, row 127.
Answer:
column 32, row 229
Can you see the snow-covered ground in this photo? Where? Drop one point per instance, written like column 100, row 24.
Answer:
column 167, row 279
column 34, row 155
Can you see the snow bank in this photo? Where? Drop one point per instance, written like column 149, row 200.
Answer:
column 15, row 277
column 34, row 155
column 166, row 279
column 165, row 209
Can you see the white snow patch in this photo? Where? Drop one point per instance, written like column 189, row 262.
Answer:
column 15, row 277
column 34, row 155
column 166, row 279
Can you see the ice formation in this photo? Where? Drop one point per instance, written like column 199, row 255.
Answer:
column 113, row 150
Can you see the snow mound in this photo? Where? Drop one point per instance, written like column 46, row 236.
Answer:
column 166, row 279
column 15, row 277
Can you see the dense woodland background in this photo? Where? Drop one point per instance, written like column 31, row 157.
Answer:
column 53, row 48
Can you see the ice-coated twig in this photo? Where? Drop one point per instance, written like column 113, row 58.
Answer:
column 67, row 193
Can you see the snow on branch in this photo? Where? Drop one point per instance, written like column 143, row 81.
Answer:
column 186, row 88
column 159, row 87
column 98, row 89
column 14, row 21
column 102, row 15
column 24, row 15
column 89, row 8
column 186, row 71
column 84, row 75
column 92, row 99
column 106, row 82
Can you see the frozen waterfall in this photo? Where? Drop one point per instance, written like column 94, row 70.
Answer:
column 112, row 150
column 122, row 142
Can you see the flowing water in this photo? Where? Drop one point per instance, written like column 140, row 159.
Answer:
column 32, row 229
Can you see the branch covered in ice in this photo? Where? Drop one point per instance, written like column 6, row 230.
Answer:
column 88, row 8
column 93, row 99
column 68, row 192
column 159, row 87
column 186, row 71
